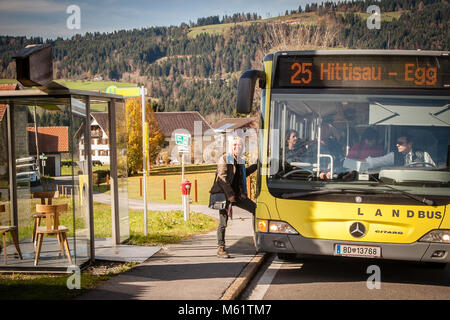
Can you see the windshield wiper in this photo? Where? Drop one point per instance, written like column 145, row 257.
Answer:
column 328, row 191
column 407, row 194
column 347, row 190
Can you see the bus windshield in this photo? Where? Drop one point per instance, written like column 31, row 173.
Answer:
column 329, row 139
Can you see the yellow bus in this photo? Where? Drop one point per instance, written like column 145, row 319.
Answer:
column 353, row 153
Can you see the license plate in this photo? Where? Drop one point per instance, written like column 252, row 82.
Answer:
column 357, row 251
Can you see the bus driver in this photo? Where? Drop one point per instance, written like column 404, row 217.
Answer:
column 406, row 155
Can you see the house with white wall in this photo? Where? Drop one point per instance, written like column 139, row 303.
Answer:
column 99, row 139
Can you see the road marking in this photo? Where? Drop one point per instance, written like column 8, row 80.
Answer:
column 265, row 281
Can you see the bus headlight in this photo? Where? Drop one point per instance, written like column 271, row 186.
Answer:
column 274, row 226
column 281, row 227
column 262, row 225
column 442, row 236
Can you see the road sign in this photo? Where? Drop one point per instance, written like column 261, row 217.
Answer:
column 184, row 149
column 43, row 157
column 126, row 92
column 182, row 140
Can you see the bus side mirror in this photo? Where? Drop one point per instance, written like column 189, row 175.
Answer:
column 246, row 89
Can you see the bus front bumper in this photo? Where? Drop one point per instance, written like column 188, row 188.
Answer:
column 417, row 251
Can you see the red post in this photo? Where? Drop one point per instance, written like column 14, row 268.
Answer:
column 107, row 179
column 195, row 191
column 249, row 195
column 164, row 189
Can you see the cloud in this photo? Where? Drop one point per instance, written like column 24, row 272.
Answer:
column 31, row 6
column 48, row 17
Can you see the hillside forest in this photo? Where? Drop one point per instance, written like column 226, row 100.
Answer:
column 196, row 66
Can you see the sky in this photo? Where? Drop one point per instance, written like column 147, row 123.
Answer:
column 52, row 19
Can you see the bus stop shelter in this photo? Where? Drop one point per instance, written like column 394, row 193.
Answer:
column 59, row 109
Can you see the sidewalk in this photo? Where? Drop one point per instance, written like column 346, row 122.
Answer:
column 186, row 270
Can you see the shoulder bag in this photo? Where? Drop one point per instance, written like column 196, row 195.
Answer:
column 217, row 201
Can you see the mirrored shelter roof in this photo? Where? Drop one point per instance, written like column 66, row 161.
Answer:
column 52, row 95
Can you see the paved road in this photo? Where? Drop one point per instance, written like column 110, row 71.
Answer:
column 158, row 206
column 332, row 278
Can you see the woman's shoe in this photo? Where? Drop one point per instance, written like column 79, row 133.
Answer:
column 222, row 253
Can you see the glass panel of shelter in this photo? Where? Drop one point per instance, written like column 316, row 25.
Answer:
column 122, row 169
column 80, row 179
column 43, row 167
column 47, row 170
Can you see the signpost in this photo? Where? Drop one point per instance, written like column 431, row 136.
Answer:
column 183, row 141
column 124, row 91
column 43, row 158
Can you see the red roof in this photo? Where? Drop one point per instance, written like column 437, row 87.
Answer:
column 170, row 121
column 6, row 87
column 235, row 123
column 2, row 111
column 51, row 139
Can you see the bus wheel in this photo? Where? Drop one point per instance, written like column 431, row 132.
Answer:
column 286, row 256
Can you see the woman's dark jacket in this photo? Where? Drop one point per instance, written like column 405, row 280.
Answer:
column 226, row 170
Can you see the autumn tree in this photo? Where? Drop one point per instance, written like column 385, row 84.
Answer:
column 134, row 129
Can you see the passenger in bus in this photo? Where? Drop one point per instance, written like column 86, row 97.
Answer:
column 405, row 155
column 367, row 147
column 231, row 180
column 295, row 150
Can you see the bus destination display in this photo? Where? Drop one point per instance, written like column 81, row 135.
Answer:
column 362, row 71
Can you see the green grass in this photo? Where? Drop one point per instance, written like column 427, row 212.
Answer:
column 173, row 191
column 67, row 170
column 216, row 28
column 385, row 16
column 304, row 18
column 93, row 85
column 8, row 81
column 51, row 287
column 163, row 227
column 168, row 227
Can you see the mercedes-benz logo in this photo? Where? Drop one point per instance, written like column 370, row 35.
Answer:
column 357, row 230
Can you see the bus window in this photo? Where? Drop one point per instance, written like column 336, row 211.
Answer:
column 342, row 138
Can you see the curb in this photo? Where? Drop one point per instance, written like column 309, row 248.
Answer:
column 238, row 285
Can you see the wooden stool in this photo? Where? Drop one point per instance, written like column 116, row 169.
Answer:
column 45, row 195
column 50, row 228
column 13, row 231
